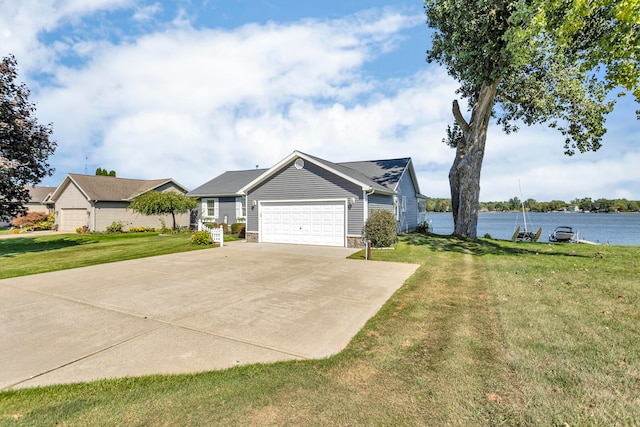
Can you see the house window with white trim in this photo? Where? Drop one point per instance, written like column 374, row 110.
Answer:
column 241, row 210
column 404, row 204
column 209, row 209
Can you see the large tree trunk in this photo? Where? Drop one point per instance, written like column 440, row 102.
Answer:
column 464, row 175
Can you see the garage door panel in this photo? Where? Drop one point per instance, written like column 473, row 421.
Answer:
column 71, row 218
column 313, row 223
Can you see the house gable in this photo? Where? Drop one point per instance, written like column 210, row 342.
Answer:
column 341, row 171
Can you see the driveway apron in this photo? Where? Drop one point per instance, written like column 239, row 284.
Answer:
column 189, row 312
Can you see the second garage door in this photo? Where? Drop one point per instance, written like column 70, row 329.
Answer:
column 309, row 223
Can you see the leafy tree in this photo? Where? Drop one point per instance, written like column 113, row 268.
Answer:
column 535, row 61
column 162, row 203
column 25, row 145
column 103, row 172
column 39, row 220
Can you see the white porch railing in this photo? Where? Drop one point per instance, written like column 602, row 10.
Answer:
column 217, row 234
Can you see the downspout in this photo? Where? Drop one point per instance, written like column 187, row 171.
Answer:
column 246, row 215
column 365, row 206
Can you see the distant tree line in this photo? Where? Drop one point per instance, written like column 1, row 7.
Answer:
column 585, row 204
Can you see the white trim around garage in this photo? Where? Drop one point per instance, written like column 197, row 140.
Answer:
column 310, row 222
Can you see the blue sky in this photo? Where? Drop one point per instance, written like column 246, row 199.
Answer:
column 190, row 89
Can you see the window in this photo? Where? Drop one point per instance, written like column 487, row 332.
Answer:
column 211, row 207
column 404, row 203
column 241, row 210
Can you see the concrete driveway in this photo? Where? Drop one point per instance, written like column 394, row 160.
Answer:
column 188, row 312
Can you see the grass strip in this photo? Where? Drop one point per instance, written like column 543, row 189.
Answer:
column 21, row 256
column 484, row 333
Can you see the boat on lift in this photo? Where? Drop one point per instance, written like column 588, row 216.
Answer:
column 564, row 234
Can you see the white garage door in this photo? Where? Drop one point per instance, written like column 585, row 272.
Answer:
column 70, row 219
column 308, row 223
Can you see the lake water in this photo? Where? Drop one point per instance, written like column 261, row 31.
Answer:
column 613, row 229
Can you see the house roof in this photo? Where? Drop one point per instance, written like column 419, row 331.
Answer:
column 386, row 173
column 379, row 176
column 108, row 188
column 227, row 184
column 39, row 194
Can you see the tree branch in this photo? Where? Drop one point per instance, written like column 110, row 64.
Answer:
column 458, row 116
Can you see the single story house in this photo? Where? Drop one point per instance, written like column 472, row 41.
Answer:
column 95, row 202
column 304, row 199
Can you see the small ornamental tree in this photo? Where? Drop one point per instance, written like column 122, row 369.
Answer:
column 30, row 220
column 381, row 229
column 163, row 203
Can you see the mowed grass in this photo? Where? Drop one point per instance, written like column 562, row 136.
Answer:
column 484, row 333
column 20, row 256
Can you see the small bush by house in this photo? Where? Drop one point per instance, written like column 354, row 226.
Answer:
column 381, row 229
column 201, row 238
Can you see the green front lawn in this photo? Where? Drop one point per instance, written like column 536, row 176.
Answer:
column 484, row 333
column 20, row 256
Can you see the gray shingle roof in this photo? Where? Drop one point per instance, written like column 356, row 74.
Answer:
column 384, row 172
column 108, row 188
column 39, row 193
column 227, row 184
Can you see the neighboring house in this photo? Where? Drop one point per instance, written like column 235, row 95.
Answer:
column 220, row 201
column 95, row 202
column 307, row 200
column 39, row 201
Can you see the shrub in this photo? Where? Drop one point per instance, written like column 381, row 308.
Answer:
column 238, row 228
column 115, row 227
column 46, row 224
column 423, row 228
column 201, row 238
column 31, row 220
column 381, row 229
column 141, row 229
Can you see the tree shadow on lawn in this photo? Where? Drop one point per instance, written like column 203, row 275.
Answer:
column 452, row 243
column 10, row 248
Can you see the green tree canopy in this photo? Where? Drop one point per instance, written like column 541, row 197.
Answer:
column 103, row 172
column 163, row 203
column 25, row 145
column 550, row 62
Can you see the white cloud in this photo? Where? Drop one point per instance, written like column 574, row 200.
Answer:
column 191, row 103
column 147, row 12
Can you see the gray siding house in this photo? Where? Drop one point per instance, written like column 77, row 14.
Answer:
column 307, row 200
